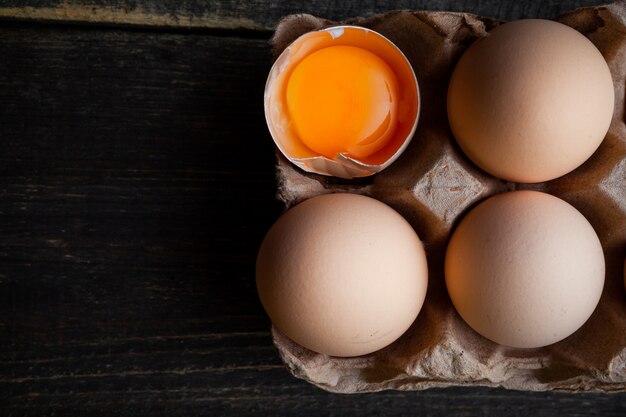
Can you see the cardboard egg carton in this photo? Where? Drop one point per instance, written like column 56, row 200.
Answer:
column 433, row 185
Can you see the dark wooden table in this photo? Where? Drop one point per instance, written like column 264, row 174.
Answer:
column 136, row 183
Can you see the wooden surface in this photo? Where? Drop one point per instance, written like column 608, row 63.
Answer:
column 136, row 182
column 259, row 15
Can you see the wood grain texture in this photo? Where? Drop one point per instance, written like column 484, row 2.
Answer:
column 259, row 14
column 136, row 182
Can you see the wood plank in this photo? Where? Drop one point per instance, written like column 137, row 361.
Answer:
column 259, row 15
column 125, row 161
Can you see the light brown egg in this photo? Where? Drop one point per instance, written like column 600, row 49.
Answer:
column 531, row 101
column 342, row 274
column 342, row 101
column 525, row 269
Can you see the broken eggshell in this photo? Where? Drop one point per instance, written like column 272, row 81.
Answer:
column 343, row 165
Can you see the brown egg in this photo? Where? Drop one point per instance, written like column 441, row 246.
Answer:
column 342, row 274
column 342, row 101
column 531, row 101
column 525, row 269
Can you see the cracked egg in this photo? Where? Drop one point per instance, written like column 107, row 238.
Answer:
column 342, row 101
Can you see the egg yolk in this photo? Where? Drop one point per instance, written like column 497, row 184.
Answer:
column 343, row 99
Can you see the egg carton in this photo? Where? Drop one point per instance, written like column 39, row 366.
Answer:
column 433, row 185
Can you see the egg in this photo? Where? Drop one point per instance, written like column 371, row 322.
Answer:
column 524, row 269
column 342, row 274
column 531, row 101
column 342, row 101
